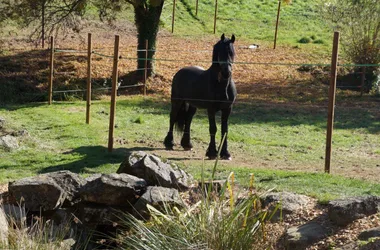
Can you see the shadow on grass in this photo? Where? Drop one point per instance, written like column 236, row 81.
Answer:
column 93, row 157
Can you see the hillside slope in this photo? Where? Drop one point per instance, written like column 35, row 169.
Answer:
column 251, row 19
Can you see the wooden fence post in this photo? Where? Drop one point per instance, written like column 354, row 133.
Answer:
column 51, row 73
column 173, row 14
column 88, row 96
column 216, row 11
column 146, row 65
column 196, row 8
column 277, row 21
column 113, row 93
column 332, row 90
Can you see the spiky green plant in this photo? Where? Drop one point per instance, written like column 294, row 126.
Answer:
column 214, row 222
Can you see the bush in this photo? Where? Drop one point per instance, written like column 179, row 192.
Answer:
column 319, row 41
column 304, row 40
column 359, row 23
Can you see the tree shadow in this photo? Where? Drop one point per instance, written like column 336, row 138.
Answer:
column 93, row 157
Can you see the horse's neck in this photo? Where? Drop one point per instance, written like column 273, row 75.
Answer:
column 214, row 69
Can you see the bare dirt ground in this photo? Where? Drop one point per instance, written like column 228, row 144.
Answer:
column 258, row 82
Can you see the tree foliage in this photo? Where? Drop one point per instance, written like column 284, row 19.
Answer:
column 47, row 17
column 359, row 23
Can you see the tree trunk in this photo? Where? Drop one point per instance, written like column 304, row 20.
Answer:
column 147, row 18
column 43, row 24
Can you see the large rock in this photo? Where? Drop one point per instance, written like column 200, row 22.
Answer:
column 93, row 215
column 155, row 171
column 344, row 211
column 158, row 197
column 370, row 233
column 289, row 203
column 70, row 183
column 3, row 229
column 9, row 142
column 373, row 245
column 39, row 193
column 113, row 189
column 302, row 236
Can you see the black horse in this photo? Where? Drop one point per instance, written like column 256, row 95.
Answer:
column 212, row 89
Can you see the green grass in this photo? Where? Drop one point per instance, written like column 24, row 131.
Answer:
column 251, row 20
column 283, row 147
column 322, row 186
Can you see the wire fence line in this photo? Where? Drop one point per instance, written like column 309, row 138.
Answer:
column 97, row 89
column 122, row 57
column 201, row 61
column 207, row 61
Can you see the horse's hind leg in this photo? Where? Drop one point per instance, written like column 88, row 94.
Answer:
column 224, row 154
column 211, row 150
column 169, row 140
column 185, row 141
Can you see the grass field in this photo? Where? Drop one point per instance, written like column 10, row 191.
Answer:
column 253, row 20
column 282, row 146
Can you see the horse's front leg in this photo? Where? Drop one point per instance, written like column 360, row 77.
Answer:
column 185, row 141
column 224, row 154
column 169, row 139
column 211, row 152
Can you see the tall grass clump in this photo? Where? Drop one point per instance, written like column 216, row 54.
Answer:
column 37, row 233
column 211, row 223
column 216, row 221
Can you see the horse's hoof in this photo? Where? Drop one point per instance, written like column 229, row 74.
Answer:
column 211, row 157
column 187, row 148
column 168, row 148
column 226, row 157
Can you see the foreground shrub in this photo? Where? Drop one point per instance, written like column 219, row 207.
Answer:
column 213, row 222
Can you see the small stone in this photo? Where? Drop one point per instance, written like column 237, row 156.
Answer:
column 370, row 233
column 300, row 237
column 9, row 142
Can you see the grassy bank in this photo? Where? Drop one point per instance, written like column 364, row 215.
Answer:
column 253, row 20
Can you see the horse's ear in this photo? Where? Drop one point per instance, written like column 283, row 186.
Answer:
column 222, row 37
column 233, row 38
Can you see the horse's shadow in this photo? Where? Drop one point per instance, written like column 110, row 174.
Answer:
column 93, row 157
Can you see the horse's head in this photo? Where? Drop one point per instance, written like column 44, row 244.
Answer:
column 223, row 55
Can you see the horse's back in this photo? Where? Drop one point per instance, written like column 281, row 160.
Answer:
column 188, row 81
column 188, row 74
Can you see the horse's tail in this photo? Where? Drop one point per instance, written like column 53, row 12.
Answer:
column 181, row 117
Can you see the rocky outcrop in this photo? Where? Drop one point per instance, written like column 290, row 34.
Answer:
column 370, row 233
column 155, row 171
column 287, row 203
column 158, row 197
column 39, row 193
column 113, row 189
column 99, row 201
column 71, row 183
column 344, row 211
column 302, row 236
